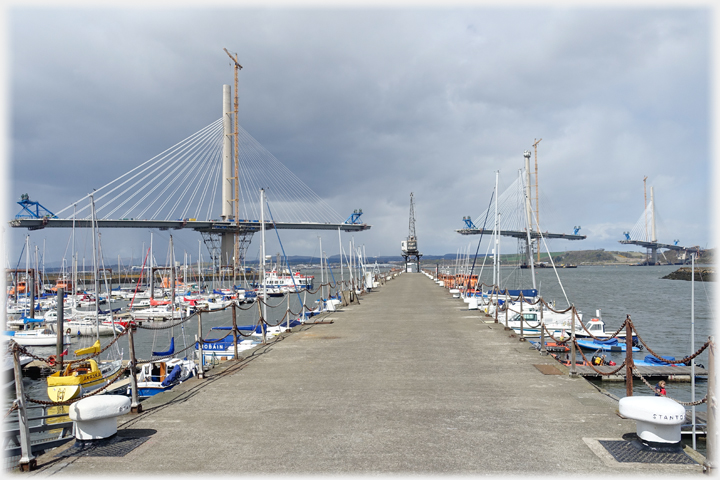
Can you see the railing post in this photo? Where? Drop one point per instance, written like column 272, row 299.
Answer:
column 135, row 405
column 522, row 319
column 288, row 310
column 573, row 367
column 201, row 367
column 27, row 460
column 234, row 320
column 543, row 348
column 711, row 438
column 628, row 358
column 506, row 317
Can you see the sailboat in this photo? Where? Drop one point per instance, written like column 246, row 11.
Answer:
column 167, row 371
column 84, row 375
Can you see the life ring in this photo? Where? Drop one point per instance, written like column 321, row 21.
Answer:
column 51, row 360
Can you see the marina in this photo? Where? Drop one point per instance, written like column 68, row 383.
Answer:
column 180, row 301
column 332, row 405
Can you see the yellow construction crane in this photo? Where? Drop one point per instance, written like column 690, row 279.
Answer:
column 236, row 249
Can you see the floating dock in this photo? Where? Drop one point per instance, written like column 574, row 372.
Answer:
column 407, row 382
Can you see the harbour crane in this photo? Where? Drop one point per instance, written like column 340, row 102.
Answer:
column 409, row 246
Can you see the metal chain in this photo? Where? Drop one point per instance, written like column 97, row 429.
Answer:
column 683, row 360
column 73, row 400
column 593, row 367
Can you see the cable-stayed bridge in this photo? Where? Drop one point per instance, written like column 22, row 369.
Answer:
column 190, row 186
column 510, row 215
column 644, row 234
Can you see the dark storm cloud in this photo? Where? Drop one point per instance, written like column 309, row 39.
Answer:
column 367, row 105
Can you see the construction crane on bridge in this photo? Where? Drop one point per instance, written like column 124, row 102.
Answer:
column 649, row 241
column 409, row 246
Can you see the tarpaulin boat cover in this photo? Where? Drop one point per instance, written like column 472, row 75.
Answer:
column 173, row 377
column 657, row 361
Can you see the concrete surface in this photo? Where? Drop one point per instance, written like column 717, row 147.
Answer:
column 407, row 382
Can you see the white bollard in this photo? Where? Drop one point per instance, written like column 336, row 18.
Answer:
column 94, row 417
column 658, row 418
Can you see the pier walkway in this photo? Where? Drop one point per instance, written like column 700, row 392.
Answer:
column 407, row 382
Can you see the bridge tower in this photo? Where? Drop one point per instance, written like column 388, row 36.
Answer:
column 409, row 246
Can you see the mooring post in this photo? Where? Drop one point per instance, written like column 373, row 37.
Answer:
column 28, row 462
column 522, row 319
column 543, row 349
column 288, row 311
column 201, row 367
column 234, row 320
column 573, row 367
column 629, row 364
column 60, row 328
column 135, row 405
column 711, row 438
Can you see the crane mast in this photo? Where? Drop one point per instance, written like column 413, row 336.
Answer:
column 409, row 246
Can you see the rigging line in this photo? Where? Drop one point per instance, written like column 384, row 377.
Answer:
column 478, row 246
column 138, row 181
column 551, row 259
column 153, row 159
column 284, row 255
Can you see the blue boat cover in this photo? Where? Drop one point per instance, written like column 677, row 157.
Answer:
column 172, row 378
column 32, row 320
column 657, row 361
column 169, row 352
column 609, row 341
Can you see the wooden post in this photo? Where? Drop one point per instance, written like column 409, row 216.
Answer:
column 28, row 462
column 135, row 405
column 543, row 348
column 288, row 310
column 201, row 367
column 711, row 441
column 522, row 319
column 573, row 367
column 234, row 320
column 60, row 328
column 628, row 358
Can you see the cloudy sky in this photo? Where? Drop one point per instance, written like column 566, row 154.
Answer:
column 366, row 105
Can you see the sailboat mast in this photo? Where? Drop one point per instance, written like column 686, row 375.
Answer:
column 95, row 271
column 342, row 277
column 264, row 282
column 496, row 250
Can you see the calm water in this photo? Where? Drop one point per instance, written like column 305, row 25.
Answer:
column 660, row 310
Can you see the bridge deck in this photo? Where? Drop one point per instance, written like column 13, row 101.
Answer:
column 211, row 226
column 409, row 381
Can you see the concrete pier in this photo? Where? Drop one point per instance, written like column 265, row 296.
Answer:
column 407, row 382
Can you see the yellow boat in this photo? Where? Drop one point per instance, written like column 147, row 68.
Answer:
column 82, row 376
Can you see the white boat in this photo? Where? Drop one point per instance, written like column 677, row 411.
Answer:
column 161, row 375
column 555, row 323
column 88, row 328
column 162, row 312
column 224, row 349
column 596, row 327
column 41, row 337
